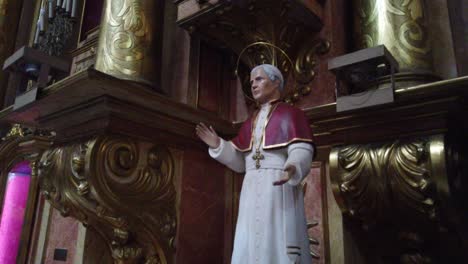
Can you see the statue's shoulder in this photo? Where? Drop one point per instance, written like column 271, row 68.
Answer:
column 283, row 107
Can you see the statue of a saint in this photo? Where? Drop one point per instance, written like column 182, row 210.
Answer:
column 274, row 148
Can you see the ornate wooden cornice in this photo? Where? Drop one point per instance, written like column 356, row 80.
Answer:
column 91, row 102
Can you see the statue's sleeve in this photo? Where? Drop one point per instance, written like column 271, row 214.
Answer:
column 229, row 156
column 300, row 156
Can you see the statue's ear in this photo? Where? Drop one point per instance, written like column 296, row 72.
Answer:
column 277, row 82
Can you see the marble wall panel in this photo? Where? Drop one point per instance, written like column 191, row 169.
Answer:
column 95, row 248
column 201, row 210
column 175, row 56
column 238, row 106
column 314, row 208
column 63, row 233
column 336, row 26
column 210, row 79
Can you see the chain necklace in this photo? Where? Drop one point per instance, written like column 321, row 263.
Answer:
column 259, row 156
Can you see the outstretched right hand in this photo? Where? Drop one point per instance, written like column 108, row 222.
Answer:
column 208, row 135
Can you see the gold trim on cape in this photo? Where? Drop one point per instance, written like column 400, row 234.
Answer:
column 287, row 143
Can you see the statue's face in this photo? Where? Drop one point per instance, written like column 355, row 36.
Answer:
column 263, row 89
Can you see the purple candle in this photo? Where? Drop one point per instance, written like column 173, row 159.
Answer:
column 11, row 225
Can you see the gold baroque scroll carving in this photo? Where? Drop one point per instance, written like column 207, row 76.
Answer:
column 399, row 192
column 371, row 180
column 123, row 188
column 126, row 40
column 400, row 25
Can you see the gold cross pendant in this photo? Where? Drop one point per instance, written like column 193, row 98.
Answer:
column 257, row 157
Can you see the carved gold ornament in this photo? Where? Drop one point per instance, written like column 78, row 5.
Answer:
column 127, row 38
column 368, row 180
column 15, row 131
column 127, row 25
column 122, row 187
column 400, row 25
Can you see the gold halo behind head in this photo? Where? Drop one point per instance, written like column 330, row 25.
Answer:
column 263, row 43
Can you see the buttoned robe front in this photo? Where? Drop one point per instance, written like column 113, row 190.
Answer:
column 271, row 225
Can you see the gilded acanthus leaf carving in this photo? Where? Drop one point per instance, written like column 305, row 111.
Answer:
column 122, row 187
column 306, row 60
column 408, row 170
column 372, row 179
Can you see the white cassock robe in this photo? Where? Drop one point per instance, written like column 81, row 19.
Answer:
column 271, row 220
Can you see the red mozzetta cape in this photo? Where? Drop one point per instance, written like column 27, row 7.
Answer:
column 285, row 124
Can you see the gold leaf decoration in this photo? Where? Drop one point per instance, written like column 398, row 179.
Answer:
column 122, row 187
column 372, row 179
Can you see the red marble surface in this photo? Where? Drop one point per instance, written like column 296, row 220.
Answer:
column 238, row 104
column 313, row 204
column 179, row 66
column 201, row 210
column 63, row 233
column 36, row 227
column 211, row 62
column 334, row 30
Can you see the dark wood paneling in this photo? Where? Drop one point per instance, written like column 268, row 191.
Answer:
column 10, row 29
column 210, row 83
column 194, row 71
column 458, row 13
column 91, row 17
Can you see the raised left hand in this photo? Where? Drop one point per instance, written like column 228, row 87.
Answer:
column 208, row 135
column 287, row 174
